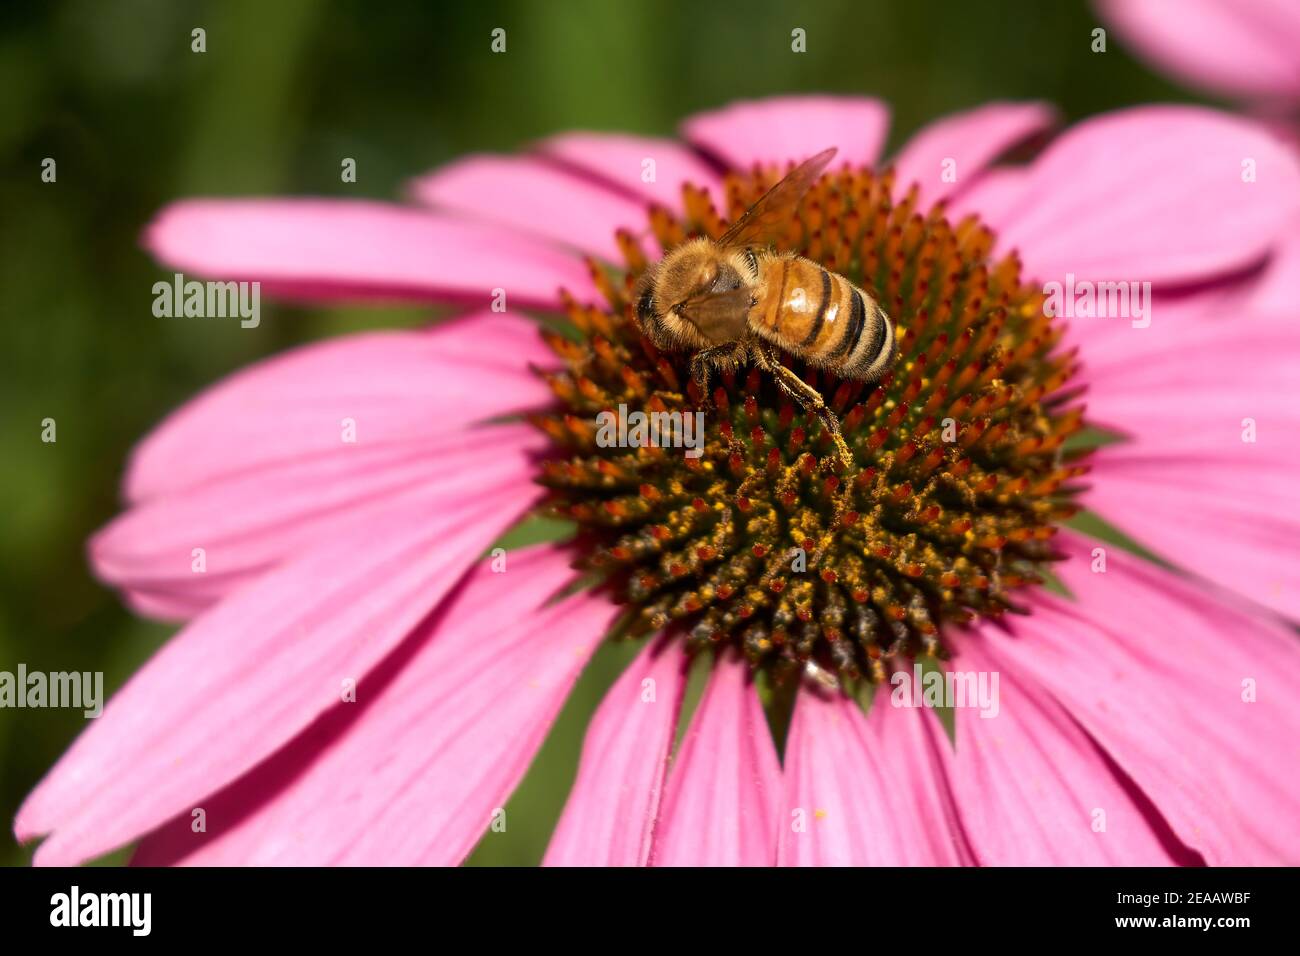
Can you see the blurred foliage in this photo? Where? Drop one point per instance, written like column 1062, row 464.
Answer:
column 111, row 90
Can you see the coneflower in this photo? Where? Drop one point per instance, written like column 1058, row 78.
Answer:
column 1143, row 716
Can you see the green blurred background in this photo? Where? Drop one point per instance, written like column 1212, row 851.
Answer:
column 111, row 90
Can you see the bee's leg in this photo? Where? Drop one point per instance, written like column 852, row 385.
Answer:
column 703, row 362
column 700, row 371
column 806, row 397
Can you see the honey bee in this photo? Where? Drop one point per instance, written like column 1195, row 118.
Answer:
column 736, row 300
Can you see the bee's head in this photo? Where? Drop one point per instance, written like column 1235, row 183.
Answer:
column 694, row 268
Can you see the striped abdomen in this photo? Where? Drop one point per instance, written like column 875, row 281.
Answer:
column 823, row 318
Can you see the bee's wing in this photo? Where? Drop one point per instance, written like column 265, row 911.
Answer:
column 768, row 216
column 720, row 316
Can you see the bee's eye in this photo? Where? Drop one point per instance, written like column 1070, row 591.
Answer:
column 645, row 306
column 726, row 280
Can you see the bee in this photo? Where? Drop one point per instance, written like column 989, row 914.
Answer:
column 736, row 300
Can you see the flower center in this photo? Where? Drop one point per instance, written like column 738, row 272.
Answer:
column 756, row 535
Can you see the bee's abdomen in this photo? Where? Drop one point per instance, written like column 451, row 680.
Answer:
column 826, row 312
column 824, row 319
column 798, row 296
column 869, row 346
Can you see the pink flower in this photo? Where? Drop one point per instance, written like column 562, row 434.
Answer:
column 1146, row 718
column 1245, row 50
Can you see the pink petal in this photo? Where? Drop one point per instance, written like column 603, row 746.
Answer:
column 1237, row 539
column 1278, row 287
column 610, row 815
column 992, row 197
column 397, row 387
column 777, row 130
column 1110, row 340
column 916, row 754
column 249, row 522
column 1152, row 194
column 621, row 161
column 1181, row 389
column 860, row 794
column 724, row 791
column 432, row 749
column 244, row 678
column 356, row 249
column 1240, row 47
column 176, row 605
column 1153, row 669
column 970, row 141
column 537, row 197
column 1034, row 790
